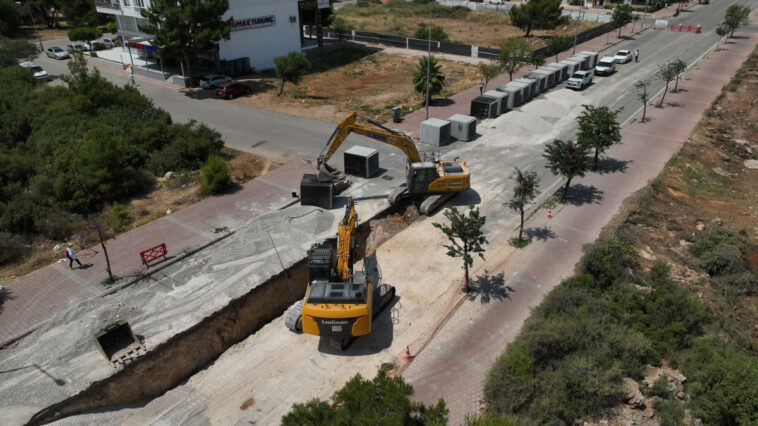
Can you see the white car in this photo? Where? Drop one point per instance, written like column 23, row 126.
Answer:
column 605, row 66
column 39, row 73
column 108, row 42
column 211, row 81
column 579, row 80
column 496, row 1
column 623, row 56
column 56, row 53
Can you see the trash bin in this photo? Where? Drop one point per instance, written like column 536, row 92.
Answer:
column 395, row 114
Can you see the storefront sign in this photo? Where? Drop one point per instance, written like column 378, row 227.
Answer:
column 141, row 46
column 251, row 23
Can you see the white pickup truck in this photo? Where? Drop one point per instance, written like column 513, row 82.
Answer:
column 579, row 80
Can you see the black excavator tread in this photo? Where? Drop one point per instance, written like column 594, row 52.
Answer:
column 432, row 202
column 294, row 318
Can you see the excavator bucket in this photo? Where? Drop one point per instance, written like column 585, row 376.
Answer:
column 328, row 174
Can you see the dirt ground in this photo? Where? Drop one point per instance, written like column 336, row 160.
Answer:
column 356, row 79
column 488, row 29
column 707, row 185
column 175, row 192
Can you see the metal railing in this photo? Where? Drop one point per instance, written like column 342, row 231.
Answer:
column 108, row 4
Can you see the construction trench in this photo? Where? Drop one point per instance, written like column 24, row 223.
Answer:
column 165, row 366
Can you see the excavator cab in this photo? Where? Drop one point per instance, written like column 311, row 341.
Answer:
column 420, row 177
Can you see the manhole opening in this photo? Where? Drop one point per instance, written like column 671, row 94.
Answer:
column 116, row 339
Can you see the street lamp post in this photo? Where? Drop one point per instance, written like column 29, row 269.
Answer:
column 428, row 61
column 578, row 19
column 643, row 14
column 31, row 15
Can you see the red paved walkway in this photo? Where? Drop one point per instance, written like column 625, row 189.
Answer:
column 39, row 295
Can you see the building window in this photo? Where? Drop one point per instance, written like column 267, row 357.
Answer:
column 139, row 4
column 125, row 2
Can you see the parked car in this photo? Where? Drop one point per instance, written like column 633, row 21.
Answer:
column 623, row 56
column 579, row 80
column 211, row 81
column 605, row 66
column 496, row 1
column 39, row 73
column 56, row 53
column 108, row 42
column 77, row 47
column 95, row 45
column 232, row 89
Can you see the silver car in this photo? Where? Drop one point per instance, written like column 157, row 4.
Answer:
column 108, row 42
column 211, row 81
column 56, row 53
column 39, row 73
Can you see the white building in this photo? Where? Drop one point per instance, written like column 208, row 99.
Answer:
column 261, row 29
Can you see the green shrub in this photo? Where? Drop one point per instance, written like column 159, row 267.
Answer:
column 119, row 215
column 215, row 175
column 670, row 413
column 743, row 284
column 660, row 388
column 12, row 248
column 724, row 259
column 510, row 382
column 710, row 238
column 607, row 260
column 437, row 33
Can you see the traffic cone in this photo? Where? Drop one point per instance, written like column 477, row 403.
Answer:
column 549, row 214
column 407, row 355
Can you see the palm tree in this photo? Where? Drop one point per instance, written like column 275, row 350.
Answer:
column 436, row 77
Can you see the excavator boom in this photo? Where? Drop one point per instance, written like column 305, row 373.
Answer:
column 345, row 243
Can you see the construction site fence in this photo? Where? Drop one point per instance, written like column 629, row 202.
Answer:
column 437, row 46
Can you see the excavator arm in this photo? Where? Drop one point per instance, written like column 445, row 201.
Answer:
column 376, row 132
column 345, row 232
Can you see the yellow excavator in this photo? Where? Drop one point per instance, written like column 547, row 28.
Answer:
column 430, row 180
column 339, row 303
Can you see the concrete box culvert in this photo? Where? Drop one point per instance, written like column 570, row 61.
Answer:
column 560, row 69
column 514, row 95
column 552, row 76
column 534, row 86
column 526, row 90
column 542, row 81
column 592, row 55
column 502, row 98
column 573, row 65
column 583, row 59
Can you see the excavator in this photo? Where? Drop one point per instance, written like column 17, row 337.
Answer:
column 430, row 180
column 340, row 303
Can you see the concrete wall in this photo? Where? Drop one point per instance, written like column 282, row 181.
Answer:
column 264, row 43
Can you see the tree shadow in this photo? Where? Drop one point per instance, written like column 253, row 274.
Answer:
column 488, row 288
column 5, row 294
column 612, row 165
column 580, row 194
column 540, row 234
column 442, row 102
column 673, row 104
column 199, row 93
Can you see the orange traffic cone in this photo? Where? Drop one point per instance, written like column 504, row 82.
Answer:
column 549, row 214
column 407, row 355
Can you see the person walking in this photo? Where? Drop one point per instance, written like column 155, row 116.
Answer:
column 131, row 79
column 481, row 86
column 637, row 55
column 71, row 257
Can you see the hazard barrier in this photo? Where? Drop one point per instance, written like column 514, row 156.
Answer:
column 687, row 28
column 407, row 354
column 549, row 214
column 153, row 253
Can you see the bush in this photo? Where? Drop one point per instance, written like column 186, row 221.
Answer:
column 437, row 33
column 660, row 388
column 215, row 175
column 670, row 413
column 724, row 259
column 742, row 284
column 607, row 261
column 709, row 239
column 12, row 248
column 510, row 382
column 119, row 215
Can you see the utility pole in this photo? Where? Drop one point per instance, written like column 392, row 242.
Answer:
column 31, row 15
column 578, row 19
column 428, row 61
column 644, row 11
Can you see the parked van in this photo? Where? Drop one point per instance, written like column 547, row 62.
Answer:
column 605, row 66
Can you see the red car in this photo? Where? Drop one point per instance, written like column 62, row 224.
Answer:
column 233, row 89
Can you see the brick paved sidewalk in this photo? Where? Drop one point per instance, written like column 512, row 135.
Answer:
column 35, row 297
column 454, row 364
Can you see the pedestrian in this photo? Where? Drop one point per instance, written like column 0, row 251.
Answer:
column 637, row 55
column 131, row 78
column 481, row 86
column 71, row 257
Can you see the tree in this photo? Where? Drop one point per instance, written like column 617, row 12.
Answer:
column 678, row 66
column 622, row 15
column 183, row 28
column 10, row 18
column 735, row 17
column 214, row 175
column 722, row 31
column 642, row 95
column 382, row 401
column 568, row 159
column 80, row 12
column 537, row 60
column 523, row 193
column 537, row 14
column 339, row 26
column 11, row 50
column 86, row 34
column 489, row 70
column 598, row 129
column 437, row 33
column 558, row 44
column 514, row 53
column 666, row 73
column 44, row 10
column 291, row 68
column 467, row 230
column 436, row 77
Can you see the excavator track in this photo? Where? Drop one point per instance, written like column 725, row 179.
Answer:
column 396, row 195
column 431, row 202
column 294, row 318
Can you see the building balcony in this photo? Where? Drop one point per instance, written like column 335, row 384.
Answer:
column 107, row 6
